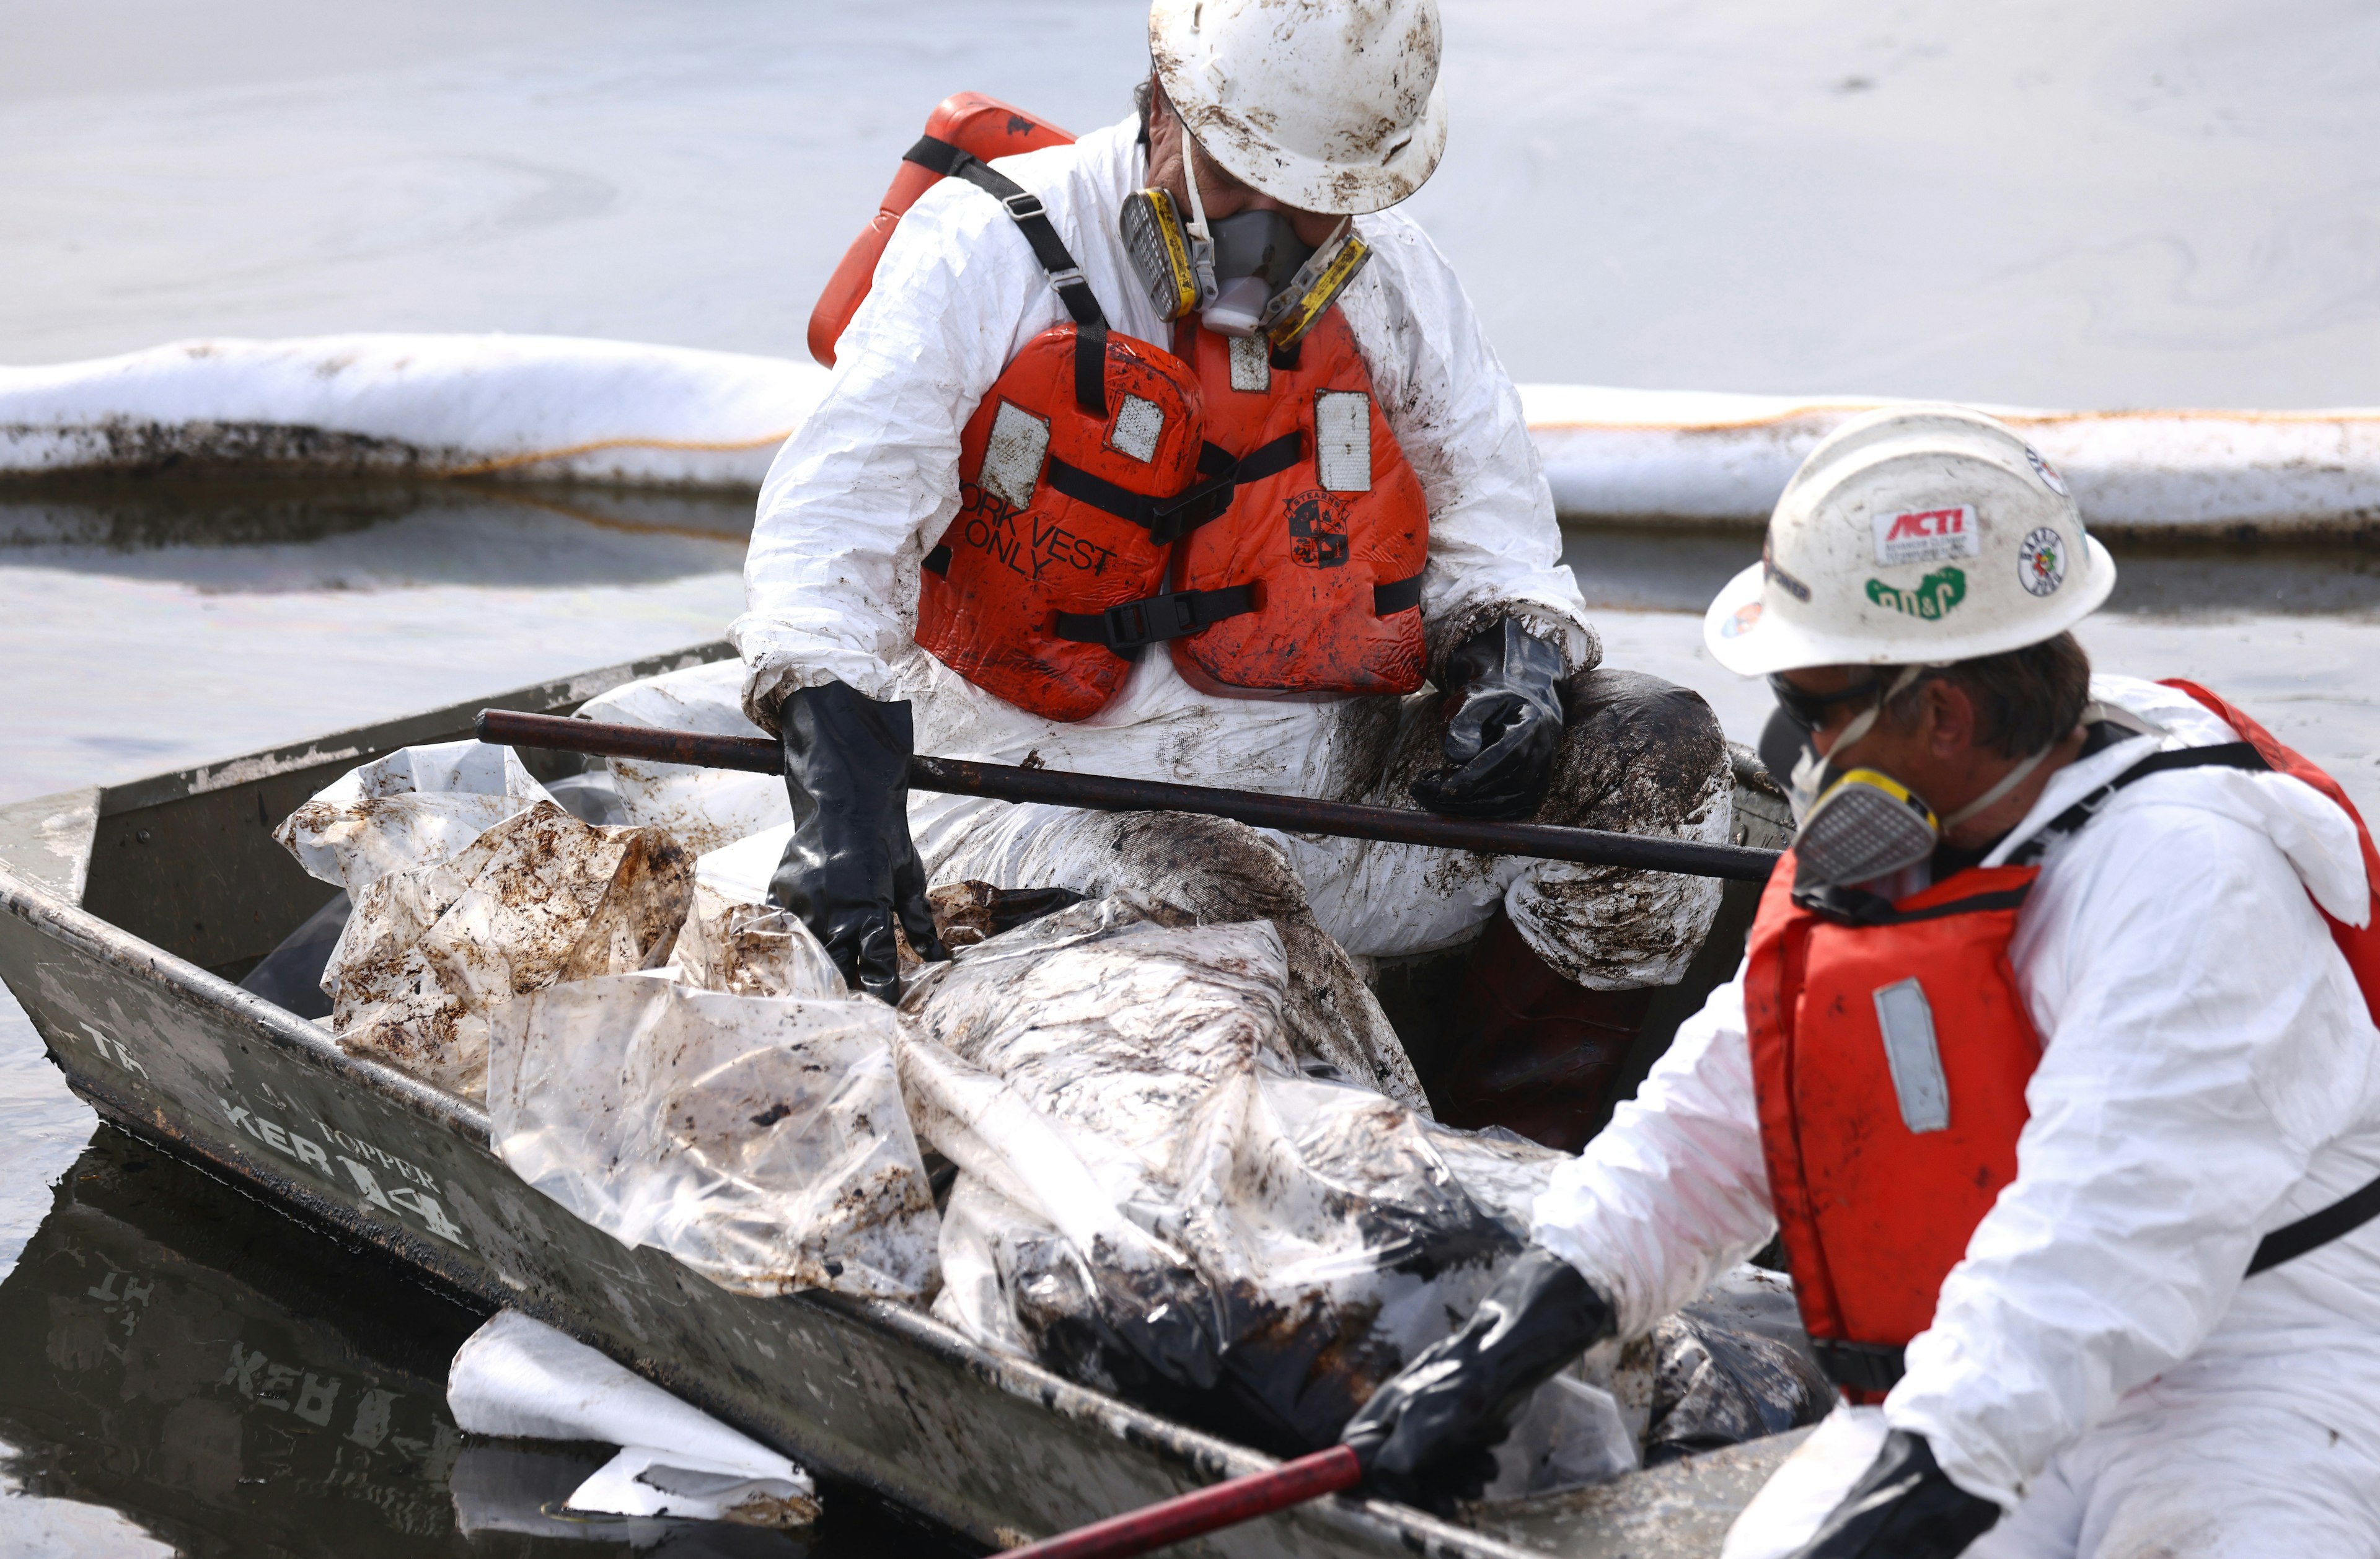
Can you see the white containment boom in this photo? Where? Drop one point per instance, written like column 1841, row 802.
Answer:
column 549, row 408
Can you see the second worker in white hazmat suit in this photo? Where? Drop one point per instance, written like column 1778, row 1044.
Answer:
column 1169, row 452
column 2066, row 1103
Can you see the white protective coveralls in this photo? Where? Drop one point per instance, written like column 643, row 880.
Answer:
column 2209, row 1073
column 867, row 484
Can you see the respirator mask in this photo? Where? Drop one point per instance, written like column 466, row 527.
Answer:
column 1244, row 275
column 1857, row 826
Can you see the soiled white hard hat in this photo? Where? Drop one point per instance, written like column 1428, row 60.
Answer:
column 1913, row 536
column 1328, row 105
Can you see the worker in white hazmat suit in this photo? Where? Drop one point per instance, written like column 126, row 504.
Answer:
column 1171, row 453
column 2052, row 1059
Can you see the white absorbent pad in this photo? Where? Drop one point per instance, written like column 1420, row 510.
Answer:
column 516, row 1377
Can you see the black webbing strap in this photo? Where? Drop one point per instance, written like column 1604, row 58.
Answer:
column 1856, row 906
column 1032, row 219
column 1154, row 619
column 1859, row 1366
column 1396, row 595
column 1879, row 1366
column 2227, row 755
column 1171, row 518
column 939, row 561
column 2290, row 1241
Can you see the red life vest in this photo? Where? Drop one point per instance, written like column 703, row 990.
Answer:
column 1268, row 482
column 1889, row 1060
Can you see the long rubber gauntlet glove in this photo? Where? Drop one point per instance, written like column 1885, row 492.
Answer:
column 1429, row 1435
column 851, row 869
column 1501, row 741
column 1904, row 1506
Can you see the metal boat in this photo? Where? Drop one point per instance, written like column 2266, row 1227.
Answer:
column 126, row 914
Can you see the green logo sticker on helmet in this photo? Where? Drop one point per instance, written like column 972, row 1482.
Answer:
column 1931, row 599
column 2041, row 560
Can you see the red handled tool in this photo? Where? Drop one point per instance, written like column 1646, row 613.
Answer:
column 1208, row 1510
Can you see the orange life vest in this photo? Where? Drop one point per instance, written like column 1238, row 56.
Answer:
column 1333, row 542
column 1268, row 484
column 1889, row 1060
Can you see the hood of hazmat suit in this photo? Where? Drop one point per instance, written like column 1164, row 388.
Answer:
column 2210, row 1073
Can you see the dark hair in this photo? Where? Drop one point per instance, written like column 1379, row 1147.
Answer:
column 2025, row 699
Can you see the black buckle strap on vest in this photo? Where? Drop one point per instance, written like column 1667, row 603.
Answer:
column 1032, row 219
column 1130, row 626
column 1860, row 1366
column 1855, row 906
column 1396, row 595
column 2226, row 755
column 1169, row 519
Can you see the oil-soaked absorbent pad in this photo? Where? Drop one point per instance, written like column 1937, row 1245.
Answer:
column 516, row 1377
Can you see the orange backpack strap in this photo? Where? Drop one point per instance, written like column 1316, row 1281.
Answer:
column 983, row 127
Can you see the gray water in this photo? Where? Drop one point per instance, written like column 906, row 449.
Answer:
column 172, row 625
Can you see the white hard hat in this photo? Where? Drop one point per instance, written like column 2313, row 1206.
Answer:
column 1328, row 105
column 1913, row 536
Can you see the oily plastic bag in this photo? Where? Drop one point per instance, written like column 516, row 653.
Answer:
column 1155, row 1201
column 411, row 808
column 467, row 898
column 759, row 1138
column 706, row 807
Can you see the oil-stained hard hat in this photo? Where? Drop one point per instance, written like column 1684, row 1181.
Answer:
column 1327, row 105
column 1912, row 536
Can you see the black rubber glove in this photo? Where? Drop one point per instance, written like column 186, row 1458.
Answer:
column 850, row 869
column 1429, row 1435
column 1501, row 742
column 1903, row 1507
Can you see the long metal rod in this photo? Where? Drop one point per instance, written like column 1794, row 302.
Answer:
column 1206, row 1510
column 1103, row 793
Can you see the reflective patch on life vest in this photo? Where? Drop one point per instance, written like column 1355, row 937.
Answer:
column 1251, row 364
column 1342, row 439
column 1910, row 1049
column 1012, row 455
column 1137, row 427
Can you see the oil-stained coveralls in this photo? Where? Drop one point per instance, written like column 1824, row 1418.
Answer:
column 2210, row 1073
column 868, row 484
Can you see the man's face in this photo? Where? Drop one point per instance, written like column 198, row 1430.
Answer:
column 1221, row 194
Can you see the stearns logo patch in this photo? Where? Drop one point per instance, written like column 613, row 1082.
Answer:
column 1927, row 536
column 1317, row 529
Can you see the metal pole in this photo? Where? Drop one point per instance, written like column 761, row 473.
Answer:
column 1101, row 792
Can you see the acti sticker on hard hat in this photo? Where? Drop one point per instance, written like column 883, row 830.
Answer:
column 2049, row 474
column 1745, row 619
column 2041, row 560
column 1933, row 599
column 1927, row 536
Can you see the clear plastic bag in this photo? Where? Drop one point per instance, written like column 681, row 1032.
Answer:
column 468, row 896
column 1153, row 1199
column 760, row 1140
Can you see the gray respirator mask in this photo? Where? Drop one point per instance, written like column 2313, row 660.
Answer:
column 1244, row 275
column 1858, row 826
